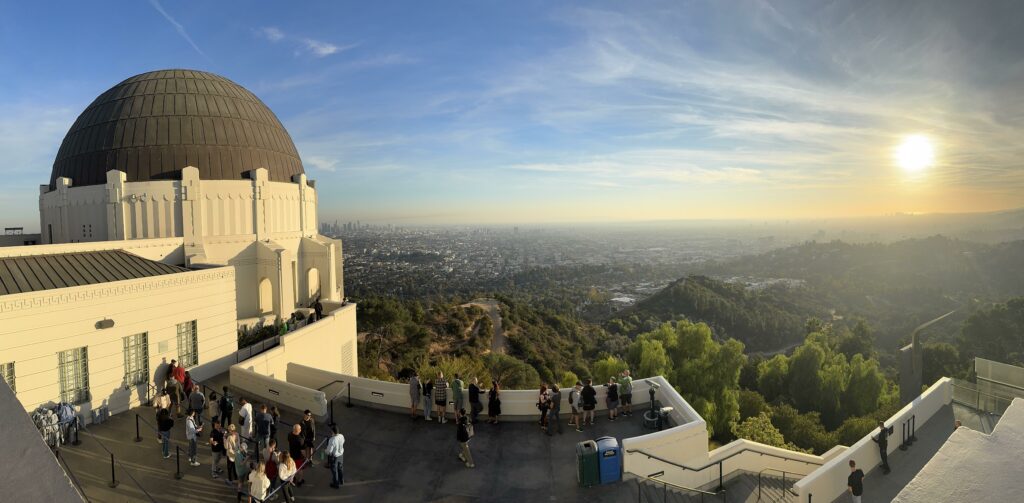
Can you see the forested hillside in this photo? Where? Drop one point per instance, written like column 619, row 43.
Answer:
column 762, row 319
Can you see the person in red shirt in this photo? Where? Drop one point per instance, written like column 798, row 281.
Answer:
column 179, row 373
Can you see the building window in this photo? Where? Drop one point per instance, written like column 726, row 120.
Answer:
column 74, row 375
column 188, row 345
column 7, row 369
column 136, row 359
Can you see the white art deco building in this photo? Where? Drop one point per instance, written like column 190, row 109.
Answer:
column 176, row 212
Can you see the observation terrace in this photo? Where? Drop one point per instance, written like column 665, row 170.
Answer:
column 389, row 457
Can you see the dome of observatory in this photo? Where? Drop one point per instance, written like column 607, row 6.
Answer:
column 152, row 125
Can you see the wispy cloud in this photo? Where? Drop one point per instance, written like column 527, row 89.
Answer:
column 271, row 33
column 322, row 163
column 321, row 49
column 177, row 26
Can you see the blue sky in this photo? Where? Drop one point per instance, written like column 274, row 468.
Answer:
column 519, row 112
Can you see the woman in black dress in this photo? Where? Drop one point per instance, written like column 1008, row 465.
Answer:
column 494, row 402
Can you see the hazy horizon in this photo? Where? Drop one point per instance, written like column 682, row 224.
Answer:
column 580, row 113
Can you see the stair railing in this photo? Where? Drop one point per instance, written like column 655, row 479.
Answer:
column 653, row 478
column 785, row 491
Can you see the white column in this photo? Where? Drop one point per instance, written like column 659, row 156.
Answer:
column 259, row 208
column 191, row 206
column 115, row 205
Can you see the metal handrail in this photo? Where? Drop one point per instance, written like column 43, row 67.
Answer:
column 783, row 472
column 675, row 486
column 721, row 484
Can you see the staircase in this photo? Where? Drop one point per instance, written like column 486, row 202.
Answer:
column 740, row 489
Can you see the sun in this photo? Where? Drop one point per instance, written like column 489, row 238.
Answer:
column 915, row 153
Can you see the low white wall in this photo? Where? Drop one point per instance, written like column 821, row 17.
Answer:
column 829, row 481
column 277, row 391
column 515, row 404
column 330, row 344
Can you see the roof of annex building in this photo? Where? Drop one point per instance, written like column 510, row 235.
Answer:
column 31, row 273
column 974, row 466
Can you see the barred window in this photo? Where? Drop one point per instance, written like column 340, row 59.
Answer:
column 188, row 344
column 136, row 359
column 73, row 367
column 7, row 369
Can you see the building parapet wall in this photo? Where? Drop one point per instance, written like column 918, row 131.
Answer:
column 829, row 482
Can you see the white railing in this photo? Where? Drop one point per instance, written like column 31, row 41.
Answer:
column 829, row 482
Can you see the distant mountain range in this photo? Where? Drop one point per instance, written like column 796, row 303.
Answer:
column 764, row 300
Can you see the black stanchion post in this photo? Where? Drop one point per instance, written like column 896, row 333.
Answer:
column 349, row 404
column 113, row 476
column 138, row 438
column 177, row 462
column 331, row 405
column 913, row 428
column 903, row 436
column 76, row 441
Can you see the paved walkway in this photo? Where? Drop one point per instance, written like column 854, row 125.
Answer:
column 906, row 464
column 388, row 457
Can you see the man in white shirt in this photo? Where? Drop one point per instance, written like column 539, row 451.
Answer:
column 245, row 416
column 335, row 450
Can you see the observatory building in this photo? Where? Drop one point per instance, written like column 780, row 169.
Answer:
column 177, row 217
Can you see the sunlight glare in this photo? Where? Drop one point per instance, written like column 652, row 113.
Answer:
column 915, row 153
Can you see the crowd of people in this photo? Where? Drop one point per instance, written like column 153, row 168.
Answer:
column 432, row 397
column 246, row 451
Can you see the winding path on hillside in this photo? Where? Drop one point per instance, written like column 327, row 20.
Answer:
column 499, row 343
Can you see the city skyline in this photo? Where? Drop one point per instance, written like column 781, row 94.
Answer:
column 504, row 114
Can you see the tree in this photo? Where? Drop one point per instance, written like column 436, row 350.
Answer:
column 773, row 377
column 996, row 333
column 864, row 387
column 854, row 428
column 760, row 429
column 805, row 380
column 857, row 341
column 568, row 379
column 608, row 367
column 940, row 360
column 511, row 372
column 707, row 374
column 803, row 430
column 751, row 404
column 649, row 358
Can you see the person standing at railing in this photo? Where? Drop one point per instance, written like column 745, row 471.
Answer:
column 494, row 402
column 164, row 424
column 626, row 393
column 611, row 398
column 427, row 391
column 441, row 397
column 882, row 439
column 588, row 397
column 414, row 394
column 543, row 406
column 475, row 406
column 335, row 452
column 308, row 434
column 575, row 406
column 555, row 401
column 458, row 396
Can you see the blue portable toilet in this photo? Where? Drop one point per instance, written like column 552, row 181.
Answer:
column 609, row 456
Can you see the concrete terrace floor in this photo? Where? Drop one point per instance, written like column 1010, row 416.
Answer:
column 388, row 457
column 906, row 464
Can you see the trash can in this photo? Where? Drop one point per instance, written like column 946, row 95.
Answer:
column 587, row 470
column 610, row 458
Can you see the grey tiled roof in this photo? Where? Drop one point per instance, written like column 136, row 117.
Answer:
column 152, row 125
column 46, row 272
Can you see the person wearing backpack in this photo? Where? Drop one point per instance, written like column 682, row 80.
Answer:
column 626, row 393
column 463, row 434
